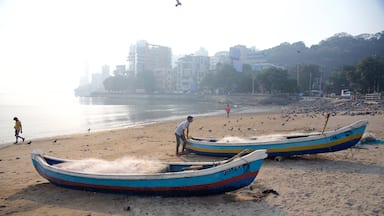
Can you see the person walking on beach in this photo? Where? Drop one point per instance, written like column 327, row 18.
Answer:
column 18, row 130
column 181, row 133
column 228, row 109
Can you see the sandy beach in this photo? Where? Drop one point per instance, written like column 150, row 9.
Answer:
column 348, row 182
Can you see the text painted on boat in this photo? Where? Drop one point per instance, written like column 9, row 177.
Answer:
column 245, row 167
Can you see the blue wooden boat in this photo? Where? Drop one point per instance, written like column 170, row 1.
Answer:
column 178, row 179
column 283, row 145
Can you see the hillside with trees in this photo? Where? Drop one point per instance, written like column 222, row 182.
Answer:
column 330, row 54
column 366, row 76
column 339, row 62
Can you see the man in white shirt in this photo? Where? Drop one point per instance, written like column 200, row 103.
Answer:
column 180, row 134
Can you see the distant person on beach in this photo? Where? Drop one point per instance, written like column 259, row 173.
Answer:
column 228, row 110
column 181, row 133
column 18, row 129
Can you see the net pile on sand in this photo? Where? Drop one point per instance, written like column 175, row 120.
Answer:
column 120, row 166
column 233, row 139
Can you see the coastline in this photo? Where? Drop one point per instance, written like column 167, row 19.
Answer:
column 347, row 182
column 78, row 118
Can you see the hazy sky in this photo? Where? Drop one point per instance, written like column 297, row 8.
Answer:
column 48, row 44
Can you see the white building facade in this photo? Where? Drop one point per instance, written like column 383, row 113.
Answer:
column 190, row 70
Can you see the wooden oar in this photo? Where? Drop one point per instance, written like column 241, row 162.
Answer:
column 326, row 122
column 245, row 151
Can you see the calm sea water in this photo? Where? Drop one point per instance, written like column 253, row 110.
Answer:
column 67, row 114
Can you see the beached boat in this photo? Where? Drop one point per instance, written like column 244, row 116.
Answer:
column 283, row 145
column 177, row 179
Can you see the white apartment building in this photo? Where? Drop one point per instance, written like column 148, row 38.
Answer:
column 190, row 70
column 240, row 55
column 144, row 57
column 120, row 70
column 219, row 58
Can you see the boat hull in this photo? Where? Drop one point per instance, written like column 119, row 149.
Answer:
column 214, row 179
column 287, row 146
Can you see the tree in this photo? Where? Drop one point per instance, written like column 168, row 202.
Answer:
column 146, row 80
column 331, row 53
column 117, row 83
column 307, row 74
column 370, row 70
column 276, row 80
column 341, row 79
column 226, row 79
column 209, row 81
column 366, row 77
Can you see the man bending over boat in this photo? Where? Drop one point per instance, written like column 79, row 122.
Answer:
column 182, row 130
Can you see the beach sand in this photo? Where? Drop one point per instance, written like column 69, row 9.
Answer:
column 349, row 182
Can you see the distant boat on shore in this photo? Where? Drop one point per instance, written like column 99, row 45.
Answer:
column 283, row 144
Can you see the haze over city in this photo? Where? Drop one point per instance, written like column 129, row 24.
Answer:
column 49, row 45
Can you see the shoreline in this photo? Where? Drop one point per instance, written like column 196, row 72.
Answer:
column 243, row 109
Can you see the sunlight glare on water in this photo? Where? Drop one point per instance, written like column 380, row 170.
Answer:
column 44, row 115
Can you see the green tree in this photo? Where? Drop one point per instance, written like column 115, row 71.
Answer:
column 276, row 80
column 341, row 79
column 146, row 80
column 370, row 70
column 244, row 79
column 226, row 79
column 117, row 83
column 307, row 74
column 209, row 81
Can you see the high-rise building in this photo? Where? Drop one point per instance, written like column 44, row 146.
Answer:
column 97, row 79
column 201, row 52
column 145, row 57
column 149, row 57
column 120, row 70
column 190, row 71
column 105, row 70
column 221, row 57
column 240, row 55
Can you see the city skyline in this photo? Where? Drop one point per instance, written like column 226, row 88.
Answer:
column 50, row 44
